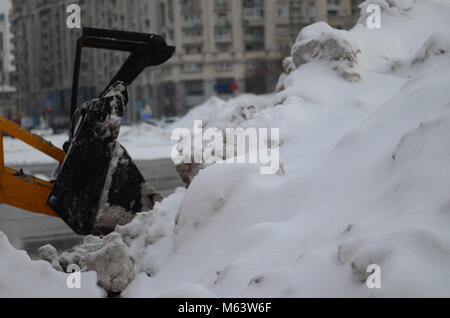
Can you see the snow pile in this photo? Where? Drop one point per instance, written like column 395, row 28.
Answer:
column 321, row 42
column 141, row 246
column 438, row 44
column 212, row 110
column 219, row 116
column 146, row 142
column 366, row 176
column 21, row 277
column 391, row 7
column 150, row 235
column 107, row 256
column 366, row 180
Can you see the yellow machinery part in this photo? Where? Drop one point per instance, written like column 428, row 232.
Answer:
column 16, row 189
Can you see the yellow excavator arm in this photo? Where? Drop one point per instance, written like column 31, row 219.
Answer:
column 16, row 189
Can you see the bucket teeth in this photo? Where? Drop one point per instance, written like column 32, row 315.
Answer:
column 98, row 186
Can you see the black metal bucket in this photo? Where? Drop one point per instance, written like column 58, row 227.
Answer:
column 98, row 186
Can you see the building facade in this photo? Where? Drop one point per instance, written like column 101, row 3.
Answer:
column 4, row 51
column 224, row 47
column 7, row 92
column 44, row 50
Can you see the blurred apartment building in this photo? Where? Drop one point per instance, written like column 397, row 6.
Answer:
column 44, row 50
column 7, row 92
column 224, row 47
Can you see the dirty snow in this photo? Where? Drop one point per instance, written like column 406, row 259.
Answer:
column 20, row 277
column 366, row 177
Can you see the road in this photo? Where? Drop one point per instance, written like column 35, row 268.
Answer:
column 29, row 231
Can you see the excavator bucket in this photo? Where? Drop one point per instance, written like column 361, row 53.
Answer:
column 98, row 186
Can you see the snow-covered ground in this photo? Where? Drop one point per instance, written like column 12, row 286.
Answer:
column 21, row 277
column 143, row 142
column 18, row 153
column 364, row 118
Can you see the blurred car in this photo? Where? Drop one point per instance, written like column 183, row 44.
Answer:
column 169, row 120
column 59, row 124
column 152, row 122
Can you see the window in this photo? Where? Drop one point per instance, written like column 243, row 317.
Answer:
column 254, row 34
column 193, row 33
column 224, row 65
column 283, row 12
column 253, row 14
column 254, row 47
column 332, row 13
column 193, row 49
column 223, row 47
column 194, row 88
column 223, row 35
column 285, row 47
column 194, row 17
column 222, row 32
column 222, row 18
column 282, row 29
column 254, row 64
column 221, row 4
column 191, row 67
column 309, row 12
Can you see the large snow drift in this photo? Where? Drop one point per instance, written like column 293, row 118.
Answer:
column 20, row 277
column 365, row 150
column 364, row 118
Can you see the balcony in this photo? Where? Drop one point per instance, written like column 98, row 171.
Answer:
column 222, row 5
column 191, row 23
column 254, row 38
column 298, row 19
column 253, row 15
column 191, row 7
column 224, row 38
column 256, row 20
column 223, row 23
column 193, row 40
column 191, row 67
column 254, row 34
